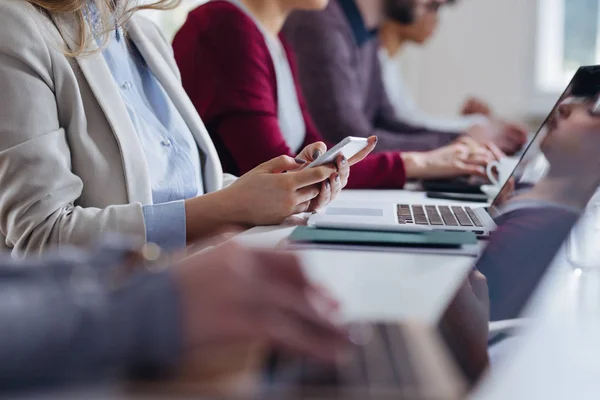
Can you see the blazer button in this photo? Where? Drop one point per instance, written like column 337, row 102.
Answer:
column 127, row 85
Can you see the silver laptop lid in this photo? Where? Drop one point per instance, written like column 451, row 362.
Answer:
column 533, row 165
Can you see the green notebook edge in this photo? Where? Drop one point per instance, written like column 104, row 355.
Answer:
column 431, row 239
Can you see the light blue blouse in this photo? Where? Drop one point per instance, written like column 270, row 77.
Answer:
column 172, row 155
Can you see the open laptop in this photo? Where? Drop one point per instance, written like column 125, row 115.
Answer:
column 393, row 359
column 401, row 216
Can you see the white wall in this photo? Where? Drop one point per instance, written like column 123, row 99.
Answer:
column 171, row 21
column 483, row 47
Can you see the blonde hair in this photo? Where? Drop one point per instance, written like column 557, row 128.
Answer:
column 112, row 12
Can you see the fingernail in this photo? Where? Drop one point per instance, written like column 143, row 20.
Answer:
column 337, row 178
column 316, row 154
column 327, row 184
column 344, row 161
column 300, row 161
column 376, row 139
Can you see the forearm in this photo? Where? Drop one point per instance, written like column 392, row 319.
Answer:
column 209, row 214
column 419, row 165
column 338, row 123
column 378, row 171
column 418, row 117
column 412, row 140
column 33, row 228
column 61, row 322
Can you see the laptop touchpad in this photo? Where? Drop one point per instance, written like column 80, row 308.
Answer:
column 355, row 212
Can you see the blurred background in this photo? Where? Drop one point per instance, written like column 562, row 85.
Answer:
column 518, row 55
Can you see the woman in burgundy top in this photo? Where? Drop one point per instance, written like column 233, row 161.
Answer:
column 241, row 77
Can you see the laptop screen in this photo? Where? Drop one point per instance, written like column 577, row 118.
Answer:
column 533, row 165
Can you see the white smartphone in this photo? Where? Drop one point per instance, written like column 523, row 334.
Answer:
column 348, row 147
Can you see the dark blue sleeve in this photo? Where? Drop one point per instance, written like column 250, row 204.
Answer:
column 62, row 322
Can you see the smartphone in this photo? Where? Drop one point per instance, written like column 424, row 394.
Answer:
column 348, row 147
column 480, row 198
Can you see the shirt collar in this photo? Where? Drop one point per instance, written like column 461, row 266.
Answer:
column 360, row 31
column 92, row 14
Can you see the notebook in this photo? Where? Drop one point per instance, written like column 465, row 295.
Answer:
column 426, row 239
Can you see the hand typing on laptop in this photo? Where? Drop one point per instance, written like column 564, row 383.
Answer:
column 508, row 136
column 463, row 157
column 569, row 143
column 233, row 298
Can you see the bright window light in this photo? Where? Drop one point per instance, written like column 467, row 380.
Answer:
column 568, row 37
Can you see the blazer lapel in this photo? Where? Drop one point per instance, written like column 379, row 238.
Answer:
column 100, row 80
column 211, row 170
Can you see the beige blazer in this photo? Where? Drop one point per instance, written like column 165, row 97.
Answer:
column 71, row 165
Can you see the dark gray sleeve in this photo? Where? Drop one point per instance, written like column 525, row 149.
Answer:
column 519, row 254
column 60, row 322
column 332, row 90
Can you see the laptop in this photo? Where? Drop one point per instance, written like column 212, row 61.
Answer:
column 404, row 216
column 462, row 184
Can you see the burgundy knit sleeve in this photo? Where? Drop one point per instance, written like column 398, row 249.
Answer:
column 377, row 171
column 241, row 111
column 229, row 75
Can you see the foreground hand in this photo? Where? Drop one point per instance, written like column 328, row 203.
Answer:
column 474, row 105
column 508, row 137
column 330, row 188
column 475, row 145
column 512, row 136
column 267, row 196
column 233, row 296
column 463, row 157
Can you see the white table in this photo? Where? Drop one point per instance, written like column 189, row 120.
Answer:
column 378, row 285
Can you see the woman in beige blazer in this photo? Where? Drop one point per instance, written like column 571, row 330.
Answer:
column 73, row 163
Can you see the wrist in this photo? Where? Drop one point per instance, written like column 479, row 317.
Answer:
column 414, row 164
column 206, row 214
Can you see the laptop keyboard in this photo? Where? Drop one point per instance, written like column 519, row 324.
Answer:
column 451, row 216
column 384, row 364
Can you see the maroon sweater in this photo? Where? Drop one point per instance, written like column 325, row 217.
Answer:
column 228, row 73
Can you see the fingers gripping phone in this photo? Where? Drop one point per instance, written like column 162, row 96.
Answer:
column 348, row 147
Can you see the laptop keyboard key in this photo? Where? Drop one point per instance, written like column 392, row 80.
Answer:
column 447, row 216
column 474, row 217
column 434, row 215
column 404, row 214
column 378, row 361
column 461, row 216
column 419, row 214
column 404, row 210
